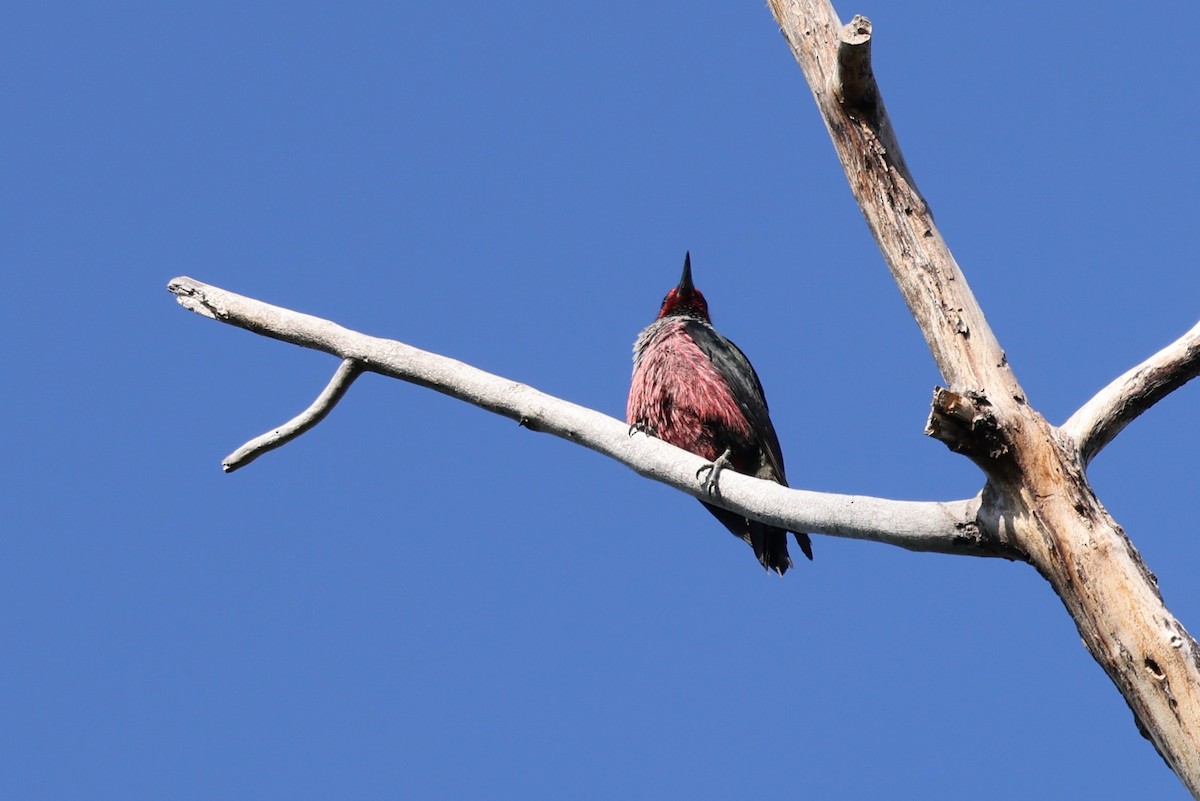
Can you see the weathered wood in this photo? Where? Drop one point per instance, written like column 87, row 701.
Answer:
column 943, row 527
column 1120, row 403
column 1036, row 505
column 1038, row 498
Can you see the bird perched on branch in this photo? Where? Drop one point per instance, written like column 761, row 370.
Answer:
column 695, row 389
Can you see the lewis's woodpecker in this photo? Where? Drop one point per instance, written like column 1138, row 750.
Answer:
column 695, row 389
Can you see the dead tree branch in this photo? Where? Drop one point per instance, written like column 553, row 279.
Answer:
column 1036, row 505
column 347, row 371
column 1037, row 491
column 948, row 527
column 1120, row 403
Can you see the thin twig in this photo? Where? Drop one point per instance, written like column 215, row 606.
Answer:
column 1117, row 405
column 347, row 371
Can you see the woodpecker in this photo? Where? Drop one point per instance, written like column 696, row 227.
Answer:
column 695, row 389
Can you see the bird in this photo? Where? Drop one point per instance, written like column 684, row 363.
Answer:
column 695, row 389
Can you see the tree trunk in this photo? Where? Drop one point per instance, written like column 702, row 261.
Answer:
column 1037, row 497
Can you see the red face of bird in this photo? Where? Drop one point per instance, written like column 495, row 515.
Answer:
column 684, row 300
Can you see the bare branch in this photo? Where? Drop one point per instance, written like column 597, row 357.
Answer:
column 347, row 371
column 1037, row 496
column 836, row 62
column 1117, row 405
column 1037, row 504
column 919, row 526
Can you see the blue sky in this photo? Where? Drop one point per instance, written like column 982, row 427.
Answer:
column 422, row 600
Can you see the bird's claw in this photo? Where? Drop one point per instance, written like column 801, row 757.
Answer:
column 714, row 469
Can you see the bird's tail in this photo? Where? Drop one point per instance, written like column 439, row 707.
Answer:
column 770, row 546
column 804, row 542
column 769, row 543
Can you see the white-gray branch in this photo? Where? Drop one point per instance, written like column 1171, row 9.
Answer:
column 347, row 371
column 1123, row 400
column 1037, row 506
column 946, row 527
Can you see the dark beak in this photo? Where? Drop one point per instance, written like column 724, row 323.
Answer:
column 685, row 283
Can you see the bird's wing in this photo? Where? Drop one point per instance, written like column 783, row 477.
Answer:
column 729, row 360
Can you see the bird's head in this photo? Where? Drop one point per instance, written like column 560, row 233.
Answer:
column 685, row 300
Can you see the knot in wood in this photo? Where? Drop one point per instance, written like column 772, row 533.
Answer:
column 966, row 424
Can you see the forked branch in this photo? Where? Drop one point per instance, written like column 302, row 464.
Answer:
column 920, row 526
column 1037, row 489
column 1037, row 505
